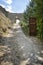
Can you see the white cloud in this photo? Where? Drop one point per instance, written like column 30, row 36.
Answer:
column 9, row 8
column 30, row 0
column 8, row 1
column 2, row 5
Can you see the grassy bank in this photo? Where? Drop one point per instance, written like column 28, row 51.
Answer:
column 25, row 27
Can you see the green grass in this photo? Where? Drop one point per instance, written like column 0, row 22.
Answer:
column 25, row 27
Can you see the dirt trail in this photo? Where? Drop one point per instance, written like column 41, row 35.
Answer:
column 21, row 50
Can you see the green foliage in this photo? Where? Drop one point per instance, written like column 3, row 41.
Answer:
column 35, row 9
column 25, row 27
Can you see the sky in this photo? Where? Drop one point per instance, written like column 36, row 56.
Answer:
column 14, row 6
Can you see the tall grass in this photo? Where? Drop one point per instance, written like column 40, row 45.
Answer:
column 25, row 27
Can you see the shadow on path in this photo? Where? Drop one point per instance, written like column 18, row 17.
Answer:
column 19, row 49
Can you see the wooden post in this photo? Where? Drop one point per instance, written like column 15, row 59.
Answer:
column 32, row 26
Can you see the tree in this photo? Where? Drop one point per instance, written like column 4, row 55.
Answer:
column 30, row 10
column 39, row 12
column 35, row 9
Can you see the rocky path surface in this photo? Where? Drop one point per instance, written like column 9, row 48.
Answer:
column 17, row 49
column 32, row 50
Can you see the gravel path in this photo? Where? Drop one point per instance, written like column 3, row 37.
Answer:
column 32, row 50
column 21, row 50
